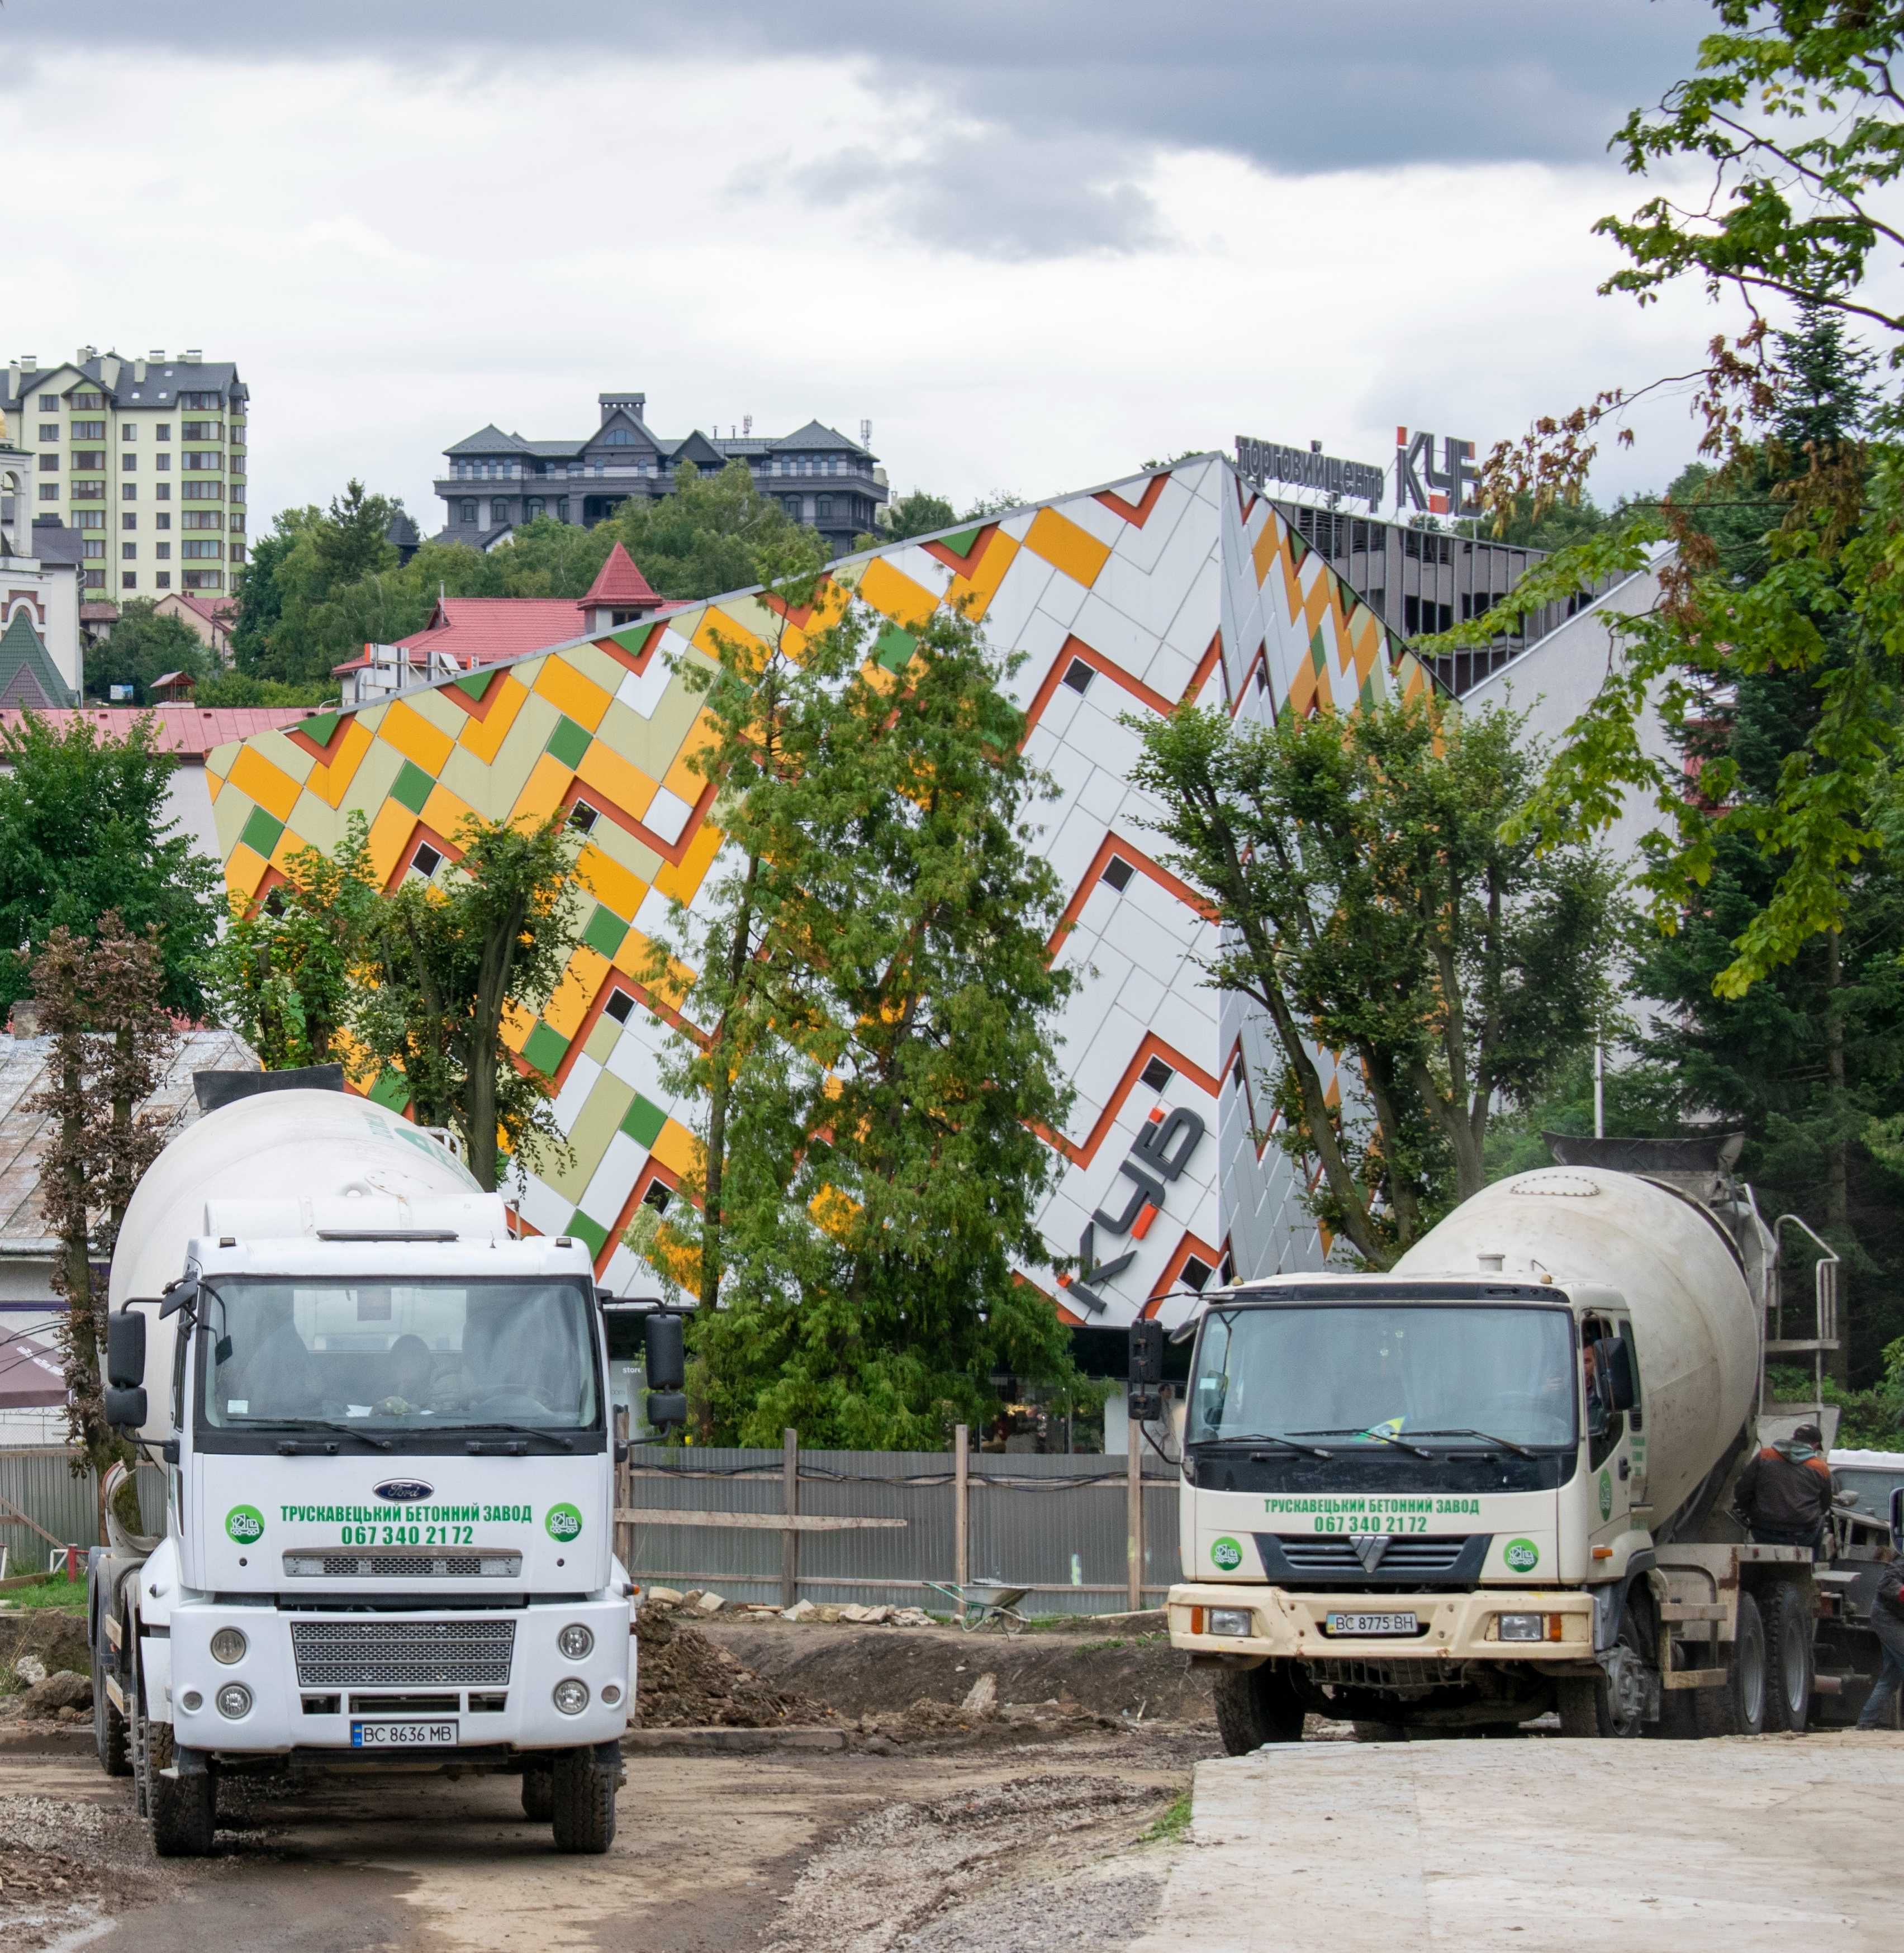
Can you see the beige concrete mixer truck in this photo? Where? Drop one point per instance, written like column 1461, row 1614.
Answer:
column 384, row 1427
column 1493, row 1482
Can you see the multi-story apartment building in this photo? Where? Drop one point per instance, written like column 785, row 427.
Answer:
column 495, row 480
column 146, row 458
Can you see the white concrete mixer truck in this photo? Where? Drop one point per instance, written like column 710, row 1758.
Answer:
column 1494, row 1481
column 388, row 1458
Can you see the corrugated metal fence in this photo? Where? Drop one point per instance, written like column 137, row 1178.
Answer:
column 39, row 1480
column 1059, row 1526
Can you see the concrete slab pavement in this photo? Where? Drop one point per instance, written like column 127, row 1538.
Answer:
column 1739, row 1844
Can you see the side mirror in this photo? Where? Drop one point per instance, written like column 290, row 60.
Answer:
column 664, row 1345
column 125, row 1350
column 125, row 1409
column 1616, row 1367
column 667, row 1410
column 182, row 1294
column 1146, row 1371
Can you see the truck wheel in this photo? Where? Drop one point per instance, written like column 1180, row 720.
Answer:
column 582, row 1796
column 181, row 1811
column 1742, row 1701
column 1788, row 1650
column 1255, row 1706
column 539, row 1792
column 110, row 1737
column 1612, row 1703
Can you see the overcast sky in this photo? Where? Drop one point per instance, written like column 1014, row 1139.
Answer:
column 1034, row 243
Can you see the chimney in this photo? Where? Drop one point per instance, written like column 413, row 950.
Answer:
column 23, row 1020
column 138, row 369
column 86, row 353
column 192, row 356
column 109, row 369
column 157, row 355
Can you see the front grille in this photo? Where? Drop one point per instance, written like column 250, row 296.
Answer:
column 1401, row 1677
column 334, row 1565
column 1335, row 1554
column 374, row 1653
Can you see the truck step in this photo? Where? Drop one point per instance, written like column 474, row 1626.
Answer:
column 1694, row 1678
column 116, row 1696
column 112, row 1629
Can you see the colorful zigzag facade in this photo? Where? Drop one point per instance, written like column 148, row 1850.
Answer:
column 1176, row 586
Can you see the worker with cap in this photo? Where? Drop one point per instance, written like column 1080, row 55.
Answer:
column 1887, row 1624
column 1784, row 1493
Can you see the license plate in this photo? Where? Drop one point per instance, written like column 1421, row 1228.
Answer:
column 1371, row 1624
column 403, row 1735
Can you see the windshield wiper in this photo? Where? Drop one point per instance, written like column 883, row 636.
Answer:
column 311, row 1424
column 1486, row 1436
column 527, row 1430
column 1266, row 1438
column 1357, row 1431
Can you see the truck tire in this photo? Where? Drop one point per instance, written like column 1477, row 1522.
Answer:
column 1589, row 1705
column 582, row 1785
column 1255, row 1706
column 1788, row 1657
column 110, row 1737
column 181, row 1812
column 539, row 1792
column 1741, row 1703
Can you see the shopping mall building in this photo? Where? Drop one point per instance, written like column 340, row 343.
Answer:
column 1183, row 585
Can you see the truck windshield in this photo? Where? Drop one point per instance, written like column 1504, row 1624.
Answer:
column 1365, row 1372
column 398, row 1355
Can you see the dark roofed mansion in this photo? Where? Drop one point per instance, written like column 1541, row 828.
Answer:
column 495, row 481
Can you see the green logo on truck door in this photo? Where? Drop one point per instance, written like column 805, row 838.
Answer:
column 1228, row 1555
column 1523, row 1555
column 1606, row 1495
column 564, row 1522
column 245, row 1524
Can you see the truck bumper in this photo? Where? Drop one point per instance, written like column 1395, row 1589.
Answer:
column 1464, row 1626
column 310, row 1698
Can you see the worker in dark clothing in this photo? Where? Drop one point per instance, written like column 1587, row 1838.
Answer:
column 1784, row 1493
column 1887, row 1624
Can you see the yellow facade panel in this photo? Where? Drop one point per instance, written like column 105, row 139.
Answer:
column 254, row 775
column 542, row 792
column 446, row 811
column 389, row 833
column 610, row 882
column 683, row 881
column 891, row 591
column 517, row 1024
column 621, row 784
column 1064, row 546
column 676, row 1149
column 415, row 737
column 580, row 982
column 681, row 777
column 973, row 593
column 484, row 736
column 244, row 868
column 569, row 692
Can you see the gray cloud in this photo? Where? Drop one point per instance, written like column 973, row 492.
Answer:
column 997, row 193
column 1293, row 85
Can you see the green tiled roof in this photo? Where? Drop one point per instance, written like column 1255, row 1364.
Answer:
column 28, row 675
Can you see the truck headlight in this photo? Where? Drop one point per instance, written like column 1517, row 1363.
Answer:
column 234, row 1700
column 1530, row 1627
column 229, row 1645
column 1231, row 1621
column 572, row 1696
column 576, row 1641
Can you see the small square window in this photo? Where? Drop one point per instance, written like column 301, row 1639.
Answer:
column 130, row 493
column 164, row 491
column 620, row 1006
column 426, row 860
column 129, row 579
column 1196, row 1274
column 1117, row 872
column 164, row 579
column 49, row 491
column 165, row 550
column 49, row 403
column 1262, row 676
column 163, row 523
column 1157, row 1074
column 163, row 431
column 129, row 551
column 1238, row 1075
column 128, row 462
column 128, row 522
column 582, row 817
column 658, row 1196
column 1078, row 675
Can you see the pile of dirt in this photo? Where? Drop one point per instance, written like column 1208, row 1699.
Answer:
column 62, row 1864
column 686, row 1682
column 55, row 1638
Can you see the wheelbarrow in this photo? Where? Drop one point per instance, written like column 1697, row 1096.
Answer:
column 982, row 1606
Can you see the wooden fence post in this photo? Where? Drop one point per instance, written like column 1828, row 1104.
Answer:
column 961, row 1506
column 1134, row 1515
column 790, row 1498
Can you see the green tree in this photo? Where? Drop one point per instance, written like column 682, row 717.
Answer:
column 918, row 513
column 716, row 532
column 282, row 973
column 143, row 646
column 1370, row 906
column 882, row 1165
column 85, row 826
column 446, row 965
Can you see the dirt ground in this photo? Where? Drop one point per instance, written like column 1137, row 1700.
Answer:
column 846, row 1850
